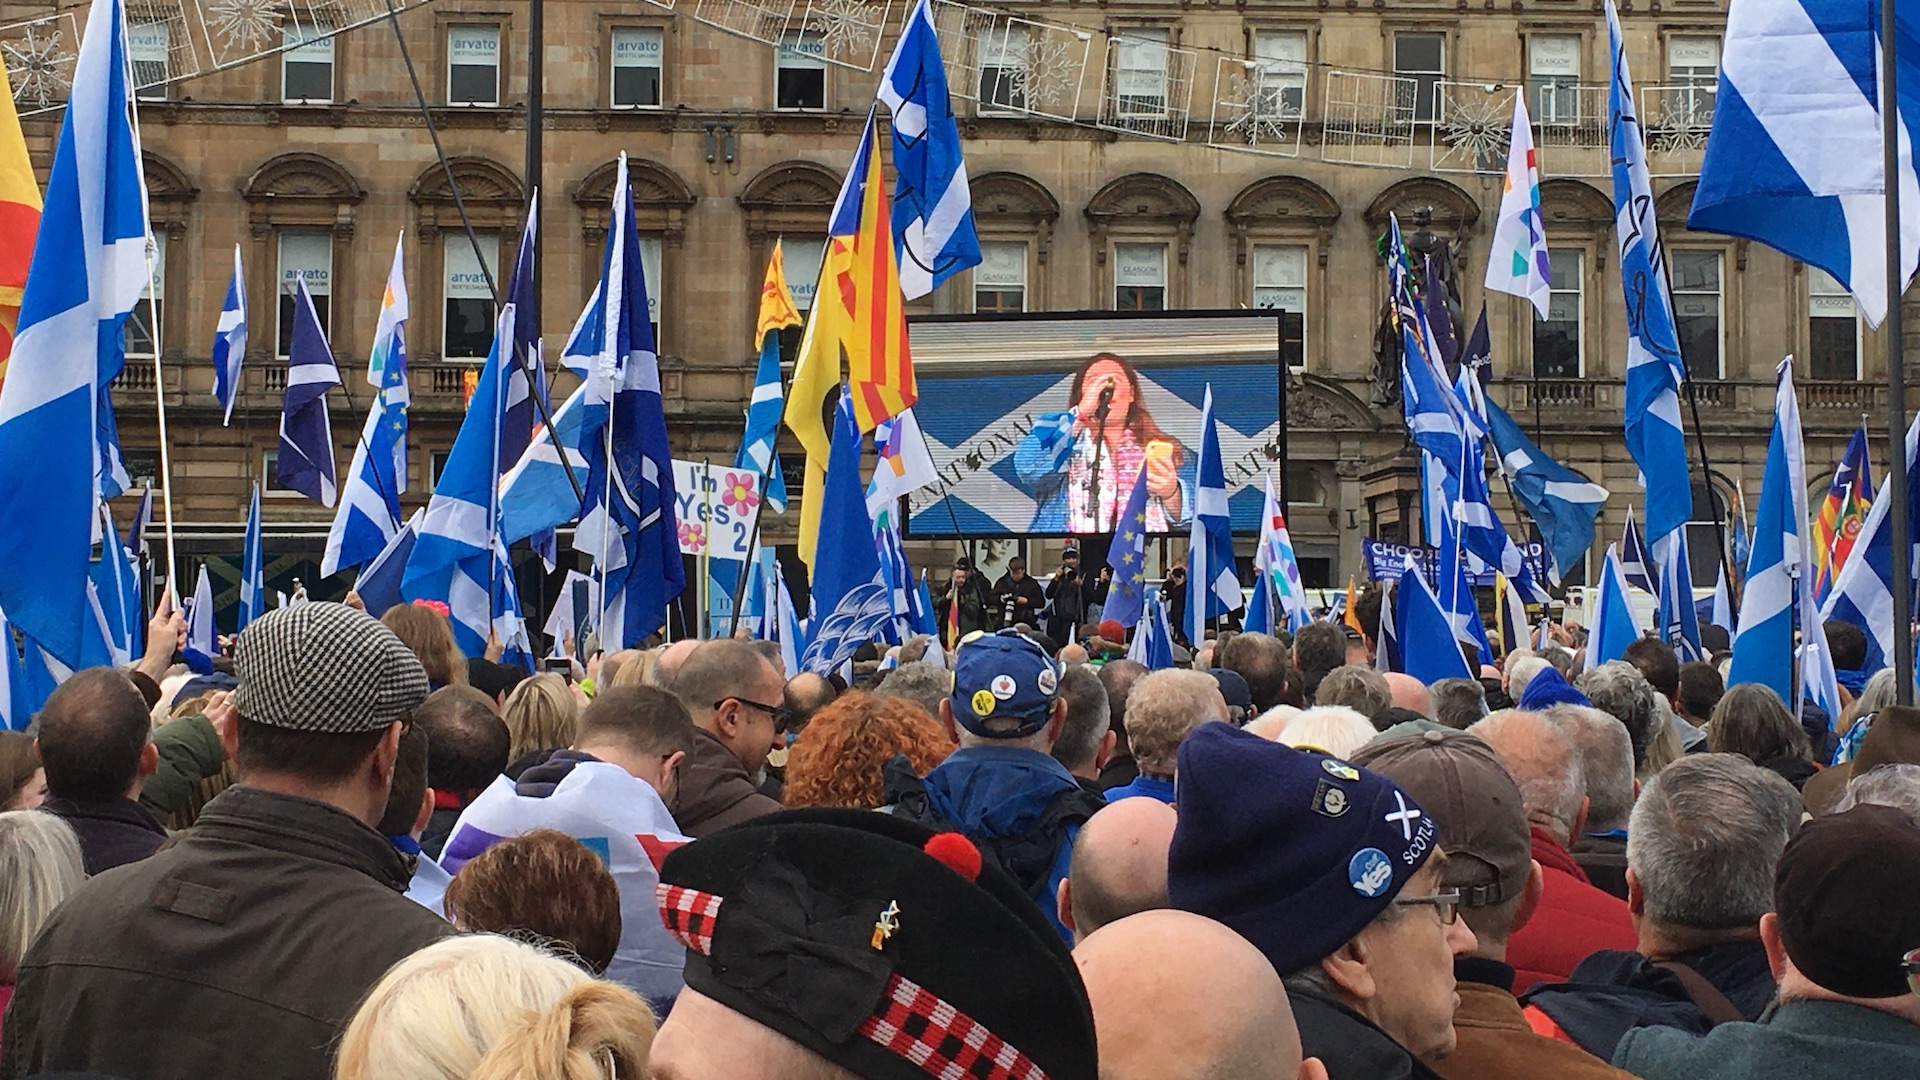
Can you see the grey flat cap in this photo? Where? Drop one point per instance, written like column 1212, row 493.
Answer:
column 325, row 668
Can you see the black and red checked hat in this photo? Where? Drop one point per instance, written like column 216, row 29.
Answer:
column 880, row 945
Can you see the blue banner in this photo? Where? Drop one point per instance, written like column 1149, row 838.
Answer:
column 1385, row 561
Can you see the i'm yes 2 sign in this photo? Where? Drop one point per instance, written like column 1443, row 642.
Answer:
column 714, row 506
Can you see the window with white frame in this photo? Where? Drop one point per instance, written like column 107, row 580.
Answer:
column 147, row 49
column 473, row 65
column 1557, row 338
column 802, row 255
column 1553, row 78
column 467, row 331
column 1280, row 284
column 1693, row 68
column 1833, row 328
column 1280, row 64
column 650, row 266
column 1139, row 277
column 638, row 53
column 800, row 71
column 1000, row 281
column 303, row 254
column 1697, row 300
column 306, row 67
column 143, row 326
column 1140, row 71
column 1422, row 58
column 1003, row 69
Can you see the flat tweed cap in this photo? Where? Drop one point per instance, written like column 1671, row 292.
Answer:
column 326, row 668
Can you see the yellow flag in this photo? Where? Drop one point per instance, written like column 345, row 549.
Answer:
column 816, row 376
column 1352, row 618
column 19, row 217
column 776, row 300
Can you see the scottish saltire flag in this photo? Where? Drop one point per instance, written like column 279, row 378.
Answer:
column 137, row 528
column 1614, row 626
column 1279, row 568
column 41, row 674
column 1510, row 615
column 201, row 635
column 1456, row 597
column 1153, row 642
column 113, row 593
column 535, row 494
column 1560, row 501
column 230, row 341
column 379, row 581
column 905, row 466
column 369, row 513
column 1794, row 156
column 13, row 696
column 793, row 639
column 627, row 524
column 1517, row 255
column 1863, row 592
column 1480, row 530
column 1128, row 558
column 1259, row 617
column 1654, row 366
column 1424, row 634
column 57, row 454
column 1675, row 618
column 846, row 558
column 1214, row 580
column 1638, row 569
column 933, row 223
column 253, row 568
column 1053, row 433
column 777, row 312
column 306, row 432
column 1436, row 416
column 527, row 400
column 1842, row 513
column 896, row 575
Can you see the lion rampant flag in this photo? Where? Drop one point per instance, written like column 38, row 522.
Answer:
column 19, row 218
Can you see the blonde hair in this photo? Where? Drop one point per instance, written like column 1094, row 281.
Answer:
column 637, row 670
column 40, row 862
column 541, row 714
column 1162, row 710
column 430, row 636
column 485, row 1007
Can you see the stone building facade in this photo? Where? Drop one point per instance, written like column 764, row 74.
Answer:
column 317, row 159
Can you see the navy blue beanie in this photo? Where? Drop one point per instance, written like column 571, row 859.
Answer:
column 1550, row 688
column 1296, row 851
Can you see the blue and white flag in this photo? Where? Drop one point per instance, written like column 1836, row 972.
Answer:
column 1386, row 647
column 1429, row 649
column 1213, row 578
column 1457, row 601
column 1153, row 642
column 932, row 209
column 897, row 576
column 13, row 696
column 253, row 568
column 763, row 426
column 1053, row 435
column 378, row 583
column 786, row 621
column 369, row 514
column 1721, row 613
column 1128, row 558
column 113, row 594
column 1654, row 366
column 40, row 676
column 1637, row 568
column 535, row 494
column 1480, row 530
column 627, row 525
column 137, row 528
column 58, row 451
column 1794, row 156
column 230, row 341
column 201, row 635
column 1278, row 566
column 1614, row 625
column 306, row 432
column 1259, row 616
column 1675, row 617
column 863, row 615
column 1863, row 594
column 845, row 560
column 1561, row 502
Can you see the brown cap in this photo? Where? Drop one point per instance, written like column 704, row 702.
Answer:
column 1459, row 780
column 1892, row 739
column 1845, row 893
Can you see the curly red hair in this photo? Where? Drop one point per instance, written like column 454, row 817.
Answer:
column 836, row 761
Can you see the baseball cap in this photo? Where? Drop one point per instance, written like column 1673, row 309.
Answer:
column 325, row 668
column 1295, row 850
column 1001, row 677
column 1845, row 892
column 1483, row 824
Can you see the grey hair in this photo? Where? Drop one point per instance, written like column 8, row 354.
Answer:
column 1705, row 839
column 1606, row 757
column 1089, row 717
column 1895, row 785
column 1881, row 691
column 1562, row 660
column 920, row 682
column 40, row 862
column 1522, row 673
column 1544, row 762
column 1620, row 690
column 1459, row 703
column 1356, row 686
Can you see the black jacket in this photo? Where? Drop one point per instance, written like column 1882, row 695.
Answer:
column 243, row 949
column 1613, row 992
column 1006, row 590
column 112, row 833
column 1348, row 1044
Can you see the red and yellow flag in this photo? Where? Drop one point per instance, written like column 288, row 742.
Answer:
column 1352, row 617
column 776, row 300
column 19, row 217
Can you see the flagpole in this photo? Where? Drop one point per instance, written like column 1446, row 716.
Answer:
column 1896, row 359
column 746, row 568
column 153, row 329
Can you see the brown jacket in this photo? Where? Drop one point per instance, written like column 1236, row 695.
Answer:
column 715, row 790
column 1495, row 1042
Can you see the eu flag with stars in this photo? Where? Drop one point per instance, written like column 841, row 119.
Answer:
column 1128, row 557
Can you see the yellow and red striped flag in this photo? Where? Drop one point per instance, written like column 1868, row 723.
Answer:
column 19, row 218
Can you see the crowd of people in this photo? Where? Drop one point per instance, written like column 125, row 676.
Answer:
column 350, row 852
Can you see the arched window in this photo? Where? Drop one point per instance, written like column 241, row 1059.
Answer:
column 660, row 204
column 456, row 322
column 300, row 211
column 1282, row 228
column 1142, row 232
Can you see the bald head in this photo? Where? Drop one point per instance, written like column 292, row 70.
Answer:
column 1546, row 765
column 1072, row 653
column 1119, row 865
column 1160, row 983
column 672, row 658
column 1410, row 693
column 807, row 693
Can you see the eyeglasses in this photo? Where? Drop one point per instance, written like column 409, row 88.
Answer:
column 1445, row 904
column 1911, row 962
column 782, row 716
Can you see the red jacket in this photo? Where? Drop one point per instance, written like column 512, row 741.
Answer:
column 1574, row 919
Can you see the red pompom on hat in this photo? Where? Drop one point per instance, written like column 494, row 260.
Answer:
column 957, row 852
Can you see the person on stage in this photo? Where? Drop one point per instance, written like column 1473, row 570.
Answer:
column 1114, row 436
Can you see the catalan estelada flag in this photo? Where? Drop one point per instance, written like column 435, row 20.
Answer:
column 1842, row 513
column 19, row 217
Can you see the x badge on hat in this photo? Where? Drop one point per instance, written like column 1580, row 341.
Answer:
column 1406, row 816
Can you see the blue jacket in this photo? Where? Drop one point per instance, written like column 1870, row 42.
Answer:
column 1143, row 786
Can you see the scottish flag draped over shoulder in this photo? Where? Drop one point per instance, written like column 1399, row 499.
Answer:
column 1794, row 156
column 56, row 419
column 933, row 210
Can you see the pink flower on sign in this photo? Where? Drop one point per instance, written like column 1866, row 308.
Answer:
column 738, row 492
column 692, row 535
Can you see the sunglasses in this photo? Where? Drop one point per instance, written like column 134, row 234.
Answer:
column 1445, row 904
column 782, row 716
column 1911, row 962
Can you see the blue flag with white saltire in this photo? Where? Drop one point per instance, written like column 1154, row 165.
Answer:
column 113, row 594
column 306, row 432
column 1128, row 558
column 1214, row 579
column 1675, row 617
column 41, row 675
column 379, row 581
column 845, row 559
column 1721, row 612
column 535, row 494
column 14, row 695
column 1637, row 568
column 1654, row 365
column 627, row 524
column 253, row 568
column 1053, row 434
column 763, row 425
column 1561, row 502
column 57, row 450
column 1153, row 642
column 1480, row 530
column 897, row 576
column 230, row 341
column 369, row 511
column 1614, row 625
column 1793, row 159
column 1259, row 617
column 1456, row 597
column 1426, row 636
column 932, row 209
column 1863, row 594
column 137, row 528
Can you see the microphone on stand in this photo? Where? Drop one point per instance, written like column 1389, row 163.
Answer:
column 1100, row 412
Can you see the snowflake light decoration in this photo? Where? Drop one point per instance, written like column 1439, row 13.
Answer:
column 1478, row 131
column 245, row 26
column 35, row 63
column 1681, row 127
column 1252, row 119
column 1047, row 73
column 847, row 27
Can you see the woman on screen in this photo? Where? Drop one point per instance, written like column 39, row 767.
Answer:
column 1113, row 438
